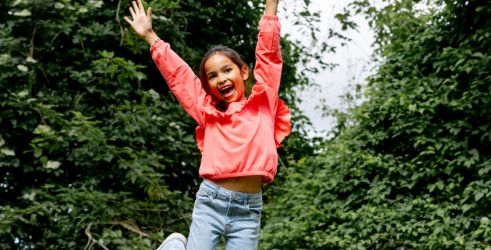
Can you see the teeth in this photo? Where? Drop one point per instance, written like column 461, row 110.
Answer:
column 226, row 91
column 227, row 87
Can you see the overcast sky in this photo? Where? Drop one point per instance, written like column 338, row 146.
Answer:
column 353, row 59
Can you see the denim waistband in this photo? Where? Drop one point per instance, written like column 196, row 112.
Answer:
column 211, row 189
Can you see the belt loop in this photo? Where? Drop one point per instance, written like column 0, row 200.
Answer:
column 211, row 189
column 216, row 188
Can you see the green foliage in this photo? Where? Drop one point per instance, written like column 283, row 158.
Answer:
column 94, row 150
column 91, row 155
column 410, row 167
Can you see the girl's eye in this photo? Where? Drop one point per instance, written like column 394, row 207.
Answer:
column 228, row 70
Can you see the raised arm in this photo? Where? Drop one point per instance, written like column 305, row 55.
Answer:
column 268, row 53
column 180, row 78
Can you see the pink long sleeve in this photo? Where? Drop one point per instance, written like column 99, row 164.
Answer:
column 268, row 53
column 182, row 81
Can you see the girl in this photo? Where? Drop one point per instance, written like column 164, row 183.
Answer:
column 237, row 136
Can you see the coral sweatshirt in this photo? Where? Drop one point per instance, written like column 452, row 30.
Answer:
column 242, row 140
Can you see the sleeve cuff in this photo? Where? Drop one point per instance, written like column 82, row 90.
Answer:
column 156, row 44
column 270, row 17
column 269, row 23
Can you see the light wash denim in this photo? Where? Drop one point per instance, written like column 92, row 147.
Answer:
column 221, row 212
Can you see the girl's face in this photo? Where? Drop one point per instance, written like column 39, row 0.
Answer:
column 225, row 78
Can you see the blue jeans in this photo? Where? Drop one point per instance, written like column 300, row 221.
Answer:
column 221, row 212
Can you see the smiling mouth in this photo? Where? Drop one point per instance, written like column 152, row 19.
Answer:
column 227, row 91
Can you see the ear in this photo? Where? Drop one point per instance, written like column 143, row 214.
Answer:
column 244, row 72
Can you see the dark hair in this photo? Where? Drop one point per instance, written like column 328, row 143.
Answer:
column 232, row 55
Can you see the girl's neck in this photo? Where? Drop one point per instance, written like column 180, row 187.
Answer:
column 222, row 105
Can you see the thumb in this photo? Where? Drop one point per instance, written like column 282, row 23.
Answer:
column 149, row 14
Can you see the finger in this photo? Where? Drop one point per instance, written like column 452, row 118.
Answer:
column 128, row 21
column 135, row 8
column 149, row 14
column 140, row 5
column 133, row 14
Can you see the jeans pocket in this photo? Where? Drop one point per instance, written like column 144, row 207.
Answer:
column 255, row 211
column 202, row 197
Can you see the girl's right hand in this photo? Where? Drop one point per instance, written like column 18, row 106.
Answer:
column 142, row 22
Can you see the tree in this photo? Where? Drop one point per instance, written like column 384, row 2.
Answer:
column 410, row 167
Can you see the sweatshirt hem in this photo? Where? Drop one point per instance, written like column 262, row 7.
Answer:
column 267, row 177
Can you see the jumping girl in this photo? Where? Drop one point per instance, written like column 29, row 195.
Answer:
column 237, row 135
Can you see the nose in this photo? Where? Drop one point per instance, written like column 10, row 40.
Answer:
column 221, row 78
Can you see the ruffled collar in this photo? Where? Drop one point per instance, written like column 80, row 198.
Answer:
column 234, row 107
